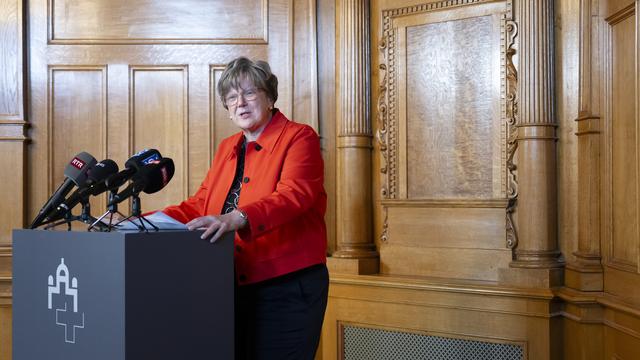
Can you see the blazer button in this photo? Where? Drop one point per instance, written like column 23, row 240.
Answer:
column 246, row 179
column 238, row 248
column 260, row 227
column 258, row 147
column 243, row 277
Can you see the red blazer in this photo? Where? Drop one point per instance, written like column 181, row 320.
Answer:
column 282, row 194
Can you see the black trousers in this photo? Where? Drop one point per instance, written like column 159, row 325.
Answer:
column 281, row 318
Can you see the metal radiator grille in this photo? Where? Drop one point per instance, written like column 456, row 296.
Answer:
column 375, row 344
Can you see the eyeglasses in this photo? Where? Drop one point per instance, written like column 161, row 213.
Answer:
column 248, row 95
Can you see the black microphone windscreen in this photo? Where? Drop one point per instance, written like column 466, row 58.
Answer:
column 159, row 176
column 144, row 157
column 102, row 170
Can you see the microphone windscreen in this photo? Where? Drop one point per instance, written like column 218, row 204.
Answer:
column 78, row 168
column 142, row 158
column 102, row 170
column 159, row 176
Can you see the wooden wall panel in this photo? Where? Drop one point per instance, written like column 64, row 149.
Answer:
column 620, row 189
column 447, row 309
column 12, row 190
column 141, row 21
column 624, row 145
column 5, row 332
column 159, row 120
column 12, row 120
column 221, row 124
column 77, row 119
column 447, row 227
column 11, row 60
column 454, row 135
column 442, row 137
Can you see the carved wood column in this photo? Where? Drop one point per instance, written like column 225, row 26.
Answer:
column 355, row 250
column 536, row 154
column 586, row 272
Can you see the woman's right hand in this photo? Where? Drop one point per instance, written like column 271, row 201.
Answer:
column 217, row 225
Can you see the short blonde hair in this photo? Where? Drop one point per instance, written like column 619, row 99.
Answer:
column 258, row 72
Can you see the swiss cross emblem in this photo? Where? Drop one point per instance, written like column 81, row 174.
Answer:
column 63, row 298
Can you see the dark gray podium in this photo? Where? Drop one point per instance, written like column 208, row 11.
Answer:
column 80, row 295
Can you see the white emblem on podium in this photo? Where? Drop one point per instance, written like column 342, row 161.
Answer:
column 66, row 308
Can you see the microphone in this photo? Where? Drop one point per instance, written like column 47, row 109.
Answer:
column 135, row 163
column 150, row 179
column 94, row 186
column 75, row 173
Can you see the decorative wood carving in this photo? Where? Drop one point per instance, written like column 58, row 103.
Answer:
column 387, row 105
column 511, row 113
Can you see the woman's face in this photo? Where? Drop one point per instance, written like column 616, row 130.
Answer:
column 249, row 107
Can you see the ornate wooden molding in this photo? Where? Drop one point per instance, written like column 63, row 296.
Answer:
column 387, row 104
column 386, row 134
column 511, row 113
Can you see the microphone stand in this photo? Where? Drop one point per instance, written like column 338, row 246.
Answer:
column 111, row 210
column 68, row 218
column 85, row 216
column 136, row 213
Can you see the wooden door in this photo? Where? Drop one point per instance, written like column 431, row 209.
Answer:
column 114, row 77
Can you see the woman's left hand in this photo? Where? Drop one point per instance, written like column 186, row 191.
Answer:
column 217, row 225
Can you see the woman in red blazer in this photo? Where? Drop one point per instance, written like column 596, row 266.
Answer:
column 266, row 183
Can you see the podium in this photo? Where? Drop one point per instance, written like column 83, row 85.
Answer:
column 88, row 295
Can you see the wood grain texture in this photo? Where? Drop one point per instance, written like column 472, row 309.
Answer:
column 440, row 308
column 153, row 21
column 453, row 127
column 12, row 212
column 536, row 153
column 159, row 120
column 456, row 228
column 452, row 263
column 327, row 109
column 354, row 238
column 11, row 106
column 5, row 332
column 624, row 146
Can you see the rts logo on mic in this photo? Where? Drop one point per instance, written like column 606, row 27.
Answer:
column 77, row 163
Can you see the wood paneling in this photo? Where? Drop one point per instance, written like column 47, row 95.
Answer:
column 441, row 308
column 12, row 190
column 221, row 125
column 5, row 332
column 77, row 118
column 624, row 144
column 455, row 227
column 12, row 121
column 11, row 107
column 454, row 137
column 326, row 53
column 144, row 21
column 442, row 136
column 159, row 120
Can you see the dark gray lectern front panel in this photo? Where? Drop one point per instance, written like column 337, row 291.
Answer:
column 79, row 295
